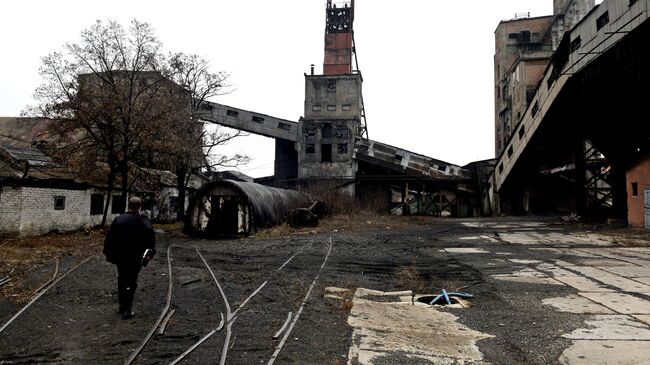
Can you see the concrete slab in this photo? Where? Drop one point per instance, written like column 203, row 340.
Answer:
column 611, row 327
column 583, row 284
column 524, row 262
column 643, row 280
column 590, row 272
column 558, row 272
column 465, row 250
column 643, row 318
column 594, row 352
column 621, row 303
column 576, row 304
column 525, row 272
column 602, row 262
column 625, row 284
column 527, row 279
column 383, row 330
column 630, row 271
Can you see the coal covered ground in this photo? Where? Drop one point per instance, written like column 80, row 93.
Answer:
column 76, row 321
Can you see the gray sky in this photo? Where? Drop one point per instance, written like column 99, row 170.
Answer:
column 427, row 64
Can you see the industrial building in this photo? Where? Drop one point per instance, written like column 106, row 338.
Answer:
column 328, row 149
column 581, row 142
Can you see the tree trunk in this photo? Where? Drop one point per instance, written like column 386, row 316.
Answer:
column 109, row 193
column 181, row 173
column 125, row 183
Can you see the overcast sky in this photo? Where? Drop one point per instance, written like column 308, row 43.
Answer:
column 427, row 64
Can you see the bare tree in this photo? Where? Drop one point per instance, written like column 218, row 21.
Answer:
column 106, row 96
column 192, row 73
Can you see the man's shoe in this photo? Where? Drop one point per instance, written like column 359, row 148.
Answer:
column 128, row 313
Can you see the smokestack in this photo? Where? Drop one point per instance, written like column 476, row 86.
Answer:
column 312, row 69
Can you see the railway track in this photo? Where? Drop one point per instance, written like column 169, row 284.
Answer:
column 228, row 322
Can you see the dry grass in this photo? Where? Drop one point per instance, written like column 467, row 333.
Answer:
column 175, row 226
column 408, row 278
column 361, row 221
column 21, row 256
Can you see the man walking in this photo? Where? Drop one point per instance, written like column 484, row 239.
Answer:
column 127, row 240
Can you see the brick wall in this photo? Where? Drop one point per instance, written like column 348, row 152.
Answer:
column 640, row 176
column 29, row 211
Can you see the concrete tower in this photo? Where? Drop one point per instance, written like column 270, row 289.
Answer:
column 333, row 107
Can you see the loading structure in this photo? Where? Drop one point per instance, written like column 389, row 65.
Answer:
column 329, row 146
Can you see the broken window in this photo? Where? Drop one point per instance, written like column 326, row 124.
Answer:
column 316, row 108
column 310, row 134
column 602, row 20
column 173, row 204
column 327, row 130
column 331, row 108
column 635, row 189
column 342, row 149
column 342, row 132
column 284, row 126
column 535, row 109
column 59, row 202
column 331, row 86
column 119, row 204
column 398, row 158
column 346, row 107
column 575, row 44
column 310, row 148
column 257, row 119
column 442, row 168
column 232, row 113
column 326, row 152
column 96, row 204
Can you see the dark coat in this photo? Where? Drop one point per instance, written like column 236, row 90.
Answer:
column 129, row 236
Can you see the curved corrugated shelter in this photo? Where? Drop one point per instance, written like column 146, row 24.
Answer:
column 228, row 208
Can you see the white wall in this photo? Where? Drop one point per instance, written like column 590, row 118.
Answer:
column 29, row 211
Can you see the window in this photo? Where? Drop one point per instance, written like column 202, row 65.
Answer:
column 331, row 108
column 96, row 204
column 346, row 107
column 635, row 189
column 59, row 202
column 331, row 86
column 398, row 158
column 342, row 132
column 311, row 134
column 257, row 119
column 535, row 109
column 522, row 131
column 500, row 168
column 326, row 152
column 510, row 151
column 173, row 204
column 575, row 44
column 118, row 205
column 284, row 126
column 442, row 168
column 310, row 148
column 602, row 20
column 327, row 130
column 342, row 149
column 232, row 113
column 316, row 108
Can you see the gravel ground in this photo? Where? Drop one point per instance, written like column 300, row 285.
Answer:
column 76, row 321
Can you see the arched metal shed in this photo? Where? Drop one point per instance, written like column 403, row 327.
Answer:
column 231, row 208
